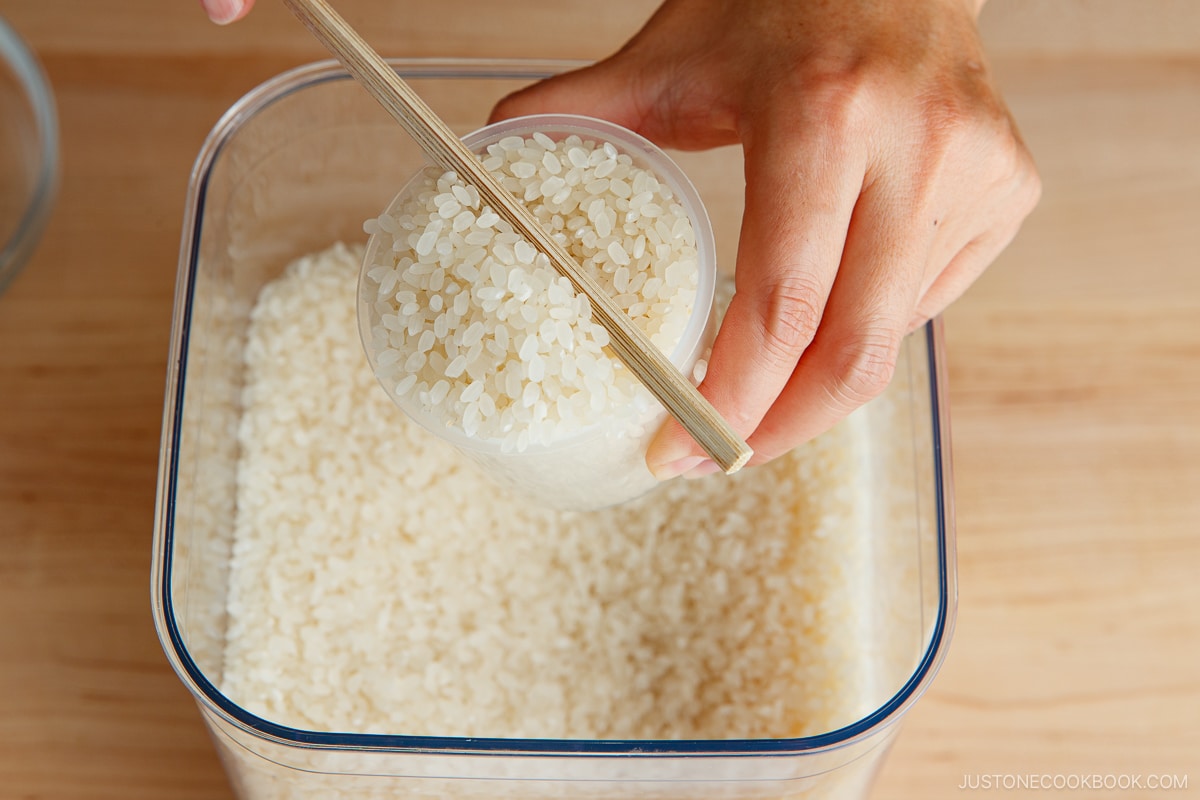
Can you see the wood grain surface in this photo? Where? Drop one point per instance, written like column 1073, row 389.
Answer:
column 1075, row 395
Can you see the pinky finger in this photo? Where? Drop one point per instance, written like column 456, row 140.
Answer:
column 962, row 270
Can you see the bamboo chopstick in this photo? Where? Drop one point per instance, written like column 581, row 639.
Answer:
column 634, row 348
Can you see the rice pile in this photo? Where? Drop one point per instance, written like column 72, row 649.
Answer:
column 473, row 326
column 380, row 584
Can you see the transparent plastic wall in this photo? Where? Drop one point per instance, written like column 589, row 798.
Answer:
column 298, row 164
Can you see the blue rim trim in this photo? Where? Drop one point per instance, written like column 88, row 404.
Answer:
column 835, row 739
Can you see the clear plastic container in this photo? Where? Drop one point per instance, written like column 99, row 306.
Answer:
column 299, row 163
column 604, row 464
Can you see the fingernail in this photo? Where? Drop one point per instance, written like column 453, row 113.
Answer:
column 705, row 468
column 222, row 12
column 665, row 472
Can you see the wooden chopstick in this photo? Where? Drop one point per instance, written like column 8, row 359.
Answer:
column 631, row 345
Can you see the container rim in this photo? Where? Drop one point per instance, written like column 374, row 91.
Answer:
column 25, row 67
column 214, row 701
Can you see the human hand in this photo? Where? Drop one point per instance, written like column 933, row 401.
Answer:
column 883, row 174
column 224, row 12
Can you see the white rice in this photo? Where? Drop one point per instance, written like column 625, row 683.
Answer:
column 379, row 584
column 471, row 325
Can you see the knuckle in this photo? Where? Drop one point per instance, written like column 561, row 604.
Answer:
column 846, row 100
column 946, row 115
column 1032, row 188
column 1016, row 178
column 838, row 97
column 791, row 312
column 866, row 367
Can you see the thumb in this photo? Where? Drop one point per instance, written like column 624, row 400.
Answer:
column 603, row 90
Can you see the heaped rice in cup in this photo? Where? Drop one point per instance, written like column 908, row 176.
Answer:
column 472, row 331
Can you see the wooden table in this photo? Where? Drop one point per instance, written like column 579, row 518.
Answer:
column 1074, row 363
